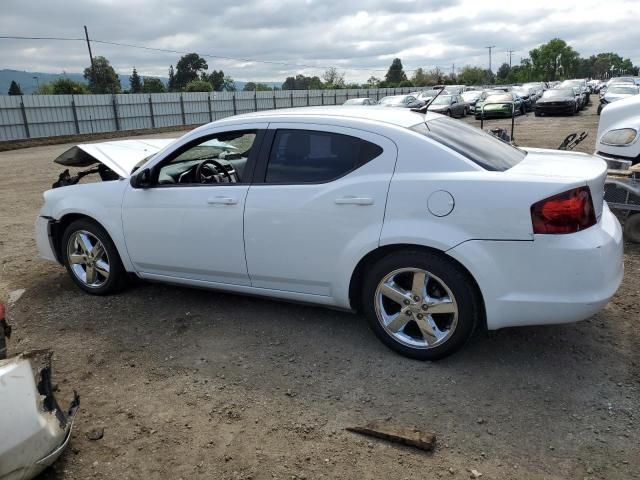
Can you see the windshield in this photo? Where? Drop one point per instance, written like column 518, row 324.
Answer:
column 442, row 100
column 563, row 92
column 479, row 147
column 501, row 97
column 355, row 101
column 623, row 89
column 430, row 93
column 521, row 91
column 470, row 96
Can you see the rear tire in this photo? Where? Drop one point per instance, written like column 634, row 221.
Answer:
column 632, row 228
column 91, row 258
column 421, row 304
column 537, row 114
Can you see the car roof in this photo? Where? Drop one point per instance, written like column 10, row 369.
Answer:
column 401, row 117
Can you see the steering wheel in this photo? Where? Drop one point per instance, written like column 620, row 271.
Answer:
column 217, row 168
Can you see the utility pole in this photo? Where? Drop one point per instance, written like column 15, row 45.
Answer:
column 93, row 70
column 491, row 47
column 453, row 70
column 510, row 53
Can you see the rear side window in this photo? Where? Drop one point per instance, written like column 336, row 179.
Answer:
column 478, row 146
column 309, row 156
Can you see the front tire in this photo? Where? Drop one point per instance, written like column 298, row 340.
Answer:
column 91, row 258
column 420, row 304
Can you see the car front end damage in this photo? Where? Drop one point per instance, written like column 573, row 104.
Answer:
column 35, row 430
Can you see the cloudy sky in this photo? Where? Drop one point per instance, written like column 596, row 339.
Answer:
column 360, row 37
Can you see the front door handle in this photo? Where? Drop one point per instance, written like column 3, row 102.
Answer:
column 354, row 201
column 222, row 201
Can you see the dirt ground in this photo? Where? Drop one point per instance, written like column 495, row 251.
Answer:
column 196, row 384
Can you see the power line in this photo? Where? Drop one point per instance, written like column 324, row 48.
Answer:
column 206, row 55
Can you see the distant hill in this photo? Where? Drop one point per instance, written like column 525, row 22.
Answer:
column 29, row 84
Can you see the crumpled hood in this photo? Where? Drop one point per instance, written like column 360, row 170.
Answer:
column 120, row 156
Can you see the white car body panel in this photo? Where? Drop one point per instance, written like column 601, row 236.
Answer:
column 294, row 242
column 622, row 114
column 120, row 155
column 283, row 223
column 33, row 437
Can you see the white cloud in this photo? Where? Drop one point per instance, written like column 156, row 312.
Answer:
column 360, row 37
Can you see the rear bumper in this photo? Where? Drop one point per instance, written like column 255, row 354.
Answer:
column 553, row 279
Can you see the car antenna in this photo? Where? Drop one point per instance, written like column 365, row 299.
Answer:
column 426, row 105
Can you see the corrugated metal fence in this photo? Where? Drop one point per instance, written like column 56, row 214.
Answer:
column 32, row 116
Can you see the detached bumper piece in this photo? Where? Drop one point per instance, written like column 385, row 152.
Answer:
column 34, row 430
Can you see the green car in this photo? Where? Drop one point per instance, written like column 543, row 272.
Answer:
column 499, row 105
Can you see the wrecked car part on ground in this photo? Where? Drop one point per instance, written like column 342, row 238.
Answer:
column 35, row 429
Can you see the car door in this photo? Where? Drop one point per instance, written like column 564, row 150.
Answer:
column 458, row 106
column 181, row 228
column 317, row 203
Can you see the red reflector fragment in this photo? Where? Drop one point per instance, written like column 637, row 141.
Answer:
column 567, row 212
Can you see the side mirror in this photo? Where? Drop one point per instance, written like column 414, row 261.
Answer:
column 142, row 179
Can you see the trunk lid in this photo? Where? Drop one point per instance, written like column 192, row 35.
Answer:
column 120, row 156
column 574, row 167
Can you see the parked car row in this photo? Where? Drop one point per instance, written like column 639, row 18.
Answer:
column 567, row 97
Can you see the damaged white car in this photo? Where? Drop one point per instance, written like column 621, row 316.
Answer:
column 428, row 226
column 34, row 429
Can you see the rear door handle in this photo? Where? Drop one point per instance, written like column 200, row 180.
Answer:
column 354, row 201
column 222, row 201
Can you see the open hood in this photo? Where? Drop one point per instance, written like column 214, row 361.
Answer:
column 120, row 156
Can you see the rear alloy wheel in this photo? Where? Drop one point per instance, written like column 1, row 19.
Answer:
column 91, row 258
column 420, row 304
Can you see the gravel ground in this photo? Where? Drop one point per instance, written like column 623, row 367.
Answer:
column 197, row 384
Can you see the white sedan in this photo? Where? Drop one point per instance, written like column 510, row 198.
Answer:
column 428, row 226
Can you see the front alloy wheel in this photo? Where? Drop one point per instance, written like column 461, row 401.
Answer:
column 88, row 259
column 91, row 258
column 421, row 304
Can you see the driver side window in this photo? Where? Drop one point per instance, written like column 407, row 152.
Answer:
column 219, row 158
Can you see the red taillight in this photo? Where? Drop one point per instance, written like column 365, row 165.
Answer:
column 567, row 212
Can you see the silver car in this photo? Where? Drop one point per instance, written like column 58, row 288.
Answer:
column 360, row 101
column 616, row 92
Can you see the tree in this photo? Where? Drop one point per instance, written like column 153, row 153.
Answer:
column 102, row 77
column 474, row 76
column 198, row 85
column 228, row 85
column 216, row 79
column 171, row 85
column 405, row 83
column 62, row 86
column 256, row 87
column 395, row 74
column 554, row 59
column 189, row 68
column 135, row 85
column 373, row 82
column 14, row 88
column 302, row 82
column 332, row 78
column 503, row 72
column 152, row 85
